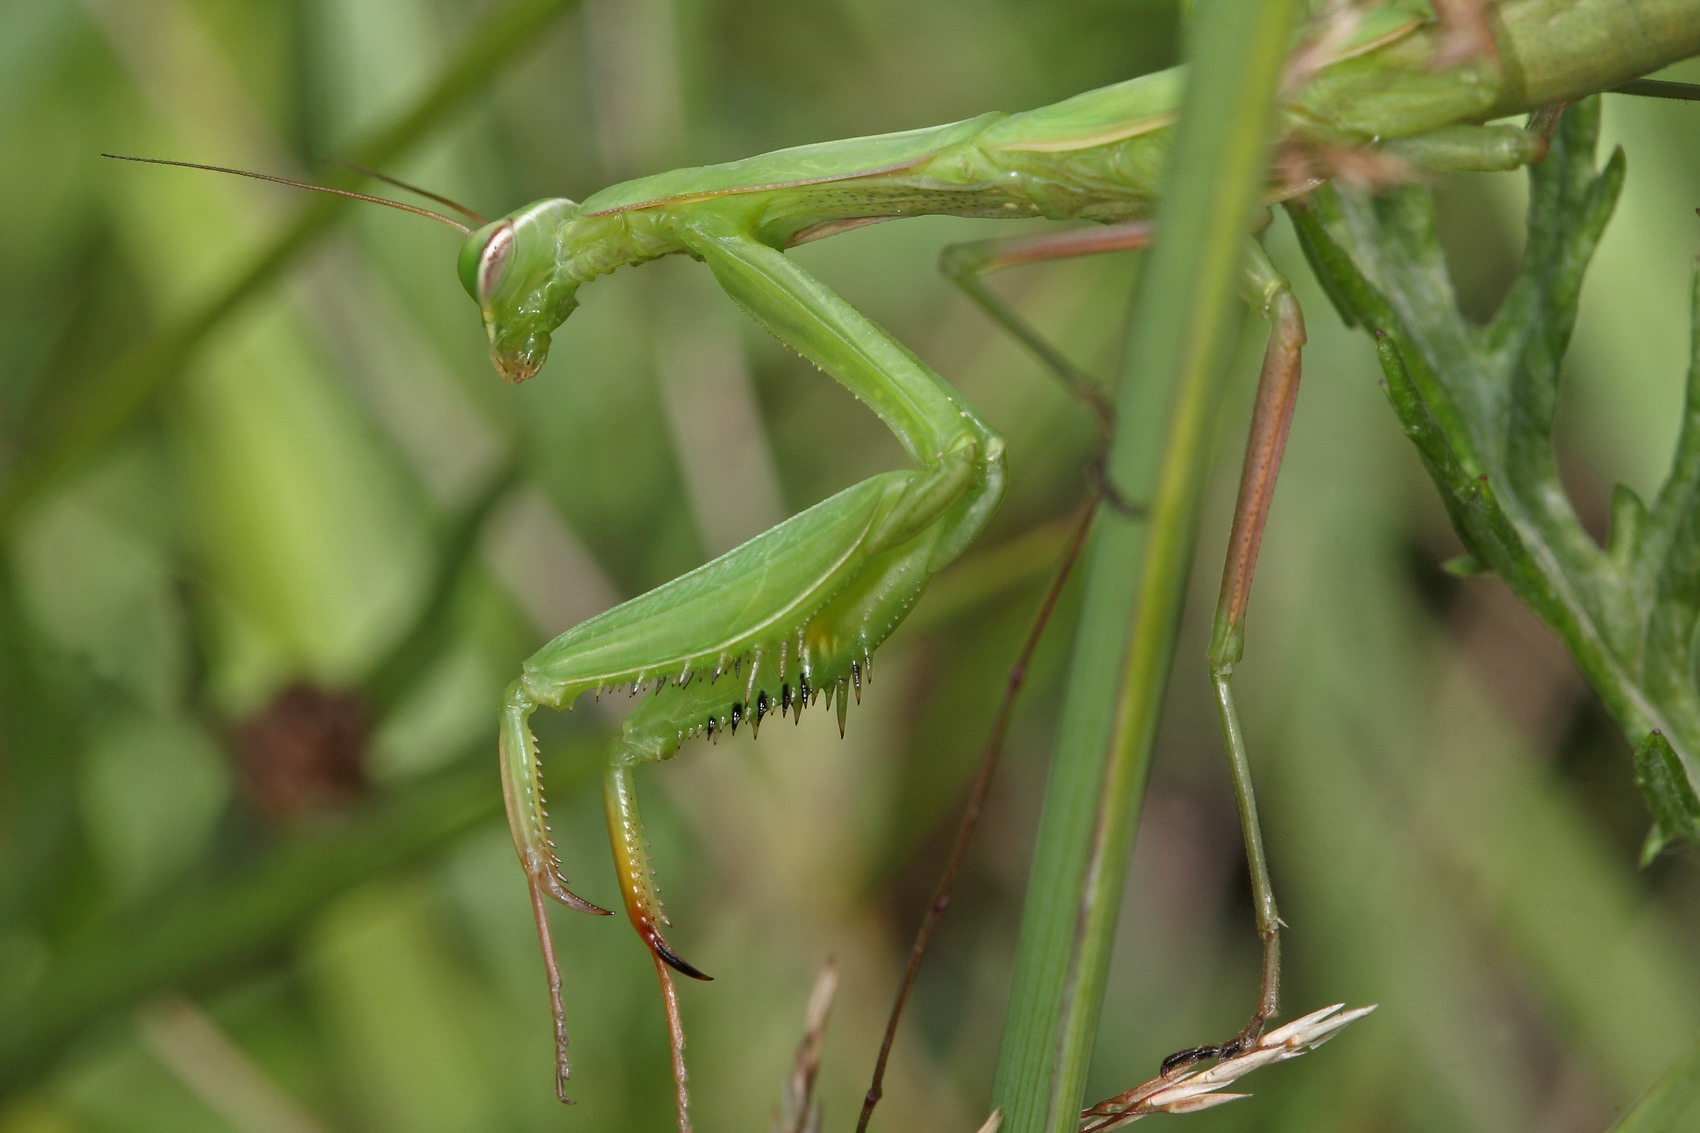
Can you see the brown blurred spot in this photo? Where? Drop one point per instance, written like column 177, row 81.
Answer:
column 303, row 754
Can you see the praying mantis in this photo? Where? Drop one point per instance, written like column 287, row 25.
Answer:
column 797, row 613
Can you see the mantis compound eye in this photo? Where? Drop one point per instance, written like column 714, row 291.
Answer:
column 484, row 260
column 493, row 262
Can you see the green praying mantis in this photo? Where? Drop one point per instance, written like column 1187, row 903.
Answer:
column 796, row 614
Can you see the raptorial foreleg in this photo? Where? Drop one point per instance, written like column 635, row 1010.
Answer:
column 772, row 625
column 528, row 820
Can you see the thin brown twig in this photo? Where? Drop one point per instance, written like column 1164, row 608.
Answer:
column 976, row 802
column 799, row 1112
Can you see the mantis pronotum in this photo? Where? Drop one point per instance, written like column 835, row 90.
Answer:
column 797, row 613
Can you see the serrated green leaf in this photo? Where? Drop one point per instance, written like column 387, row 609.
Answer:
column 1671, row 798
column 1479, row 404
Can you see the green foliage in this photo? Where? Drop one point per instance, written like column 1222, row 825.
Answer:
column 1480, row 403
column 313, row 493
column 1669, row 1105
column 1670, row 796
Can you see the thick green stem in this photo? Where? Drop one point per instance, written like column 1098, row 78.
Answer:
column 1561, row 50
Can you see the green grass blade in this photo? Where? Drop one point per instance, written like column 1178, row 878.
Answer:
column 1182, row 328
column 208, row 934
column 110, row 398
column 1671, row 1099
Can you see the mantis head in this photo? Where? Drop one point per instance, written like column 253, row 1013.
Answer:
column 511, row 267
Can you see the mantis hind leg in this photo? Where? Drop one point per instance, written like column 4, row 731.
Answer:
column 1272, row 416
column 967, row 265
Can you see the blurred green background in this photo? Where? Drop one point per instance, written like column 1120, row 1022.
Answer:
column 253, row 874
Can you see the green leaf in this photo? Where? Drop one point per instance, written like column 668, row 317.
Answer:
column 1465, row 566
column 1670, row 796
column 1479, row 404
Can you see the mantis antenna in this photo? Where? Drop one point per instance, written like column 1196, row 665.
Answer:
column 400, row 184
column 415, row 209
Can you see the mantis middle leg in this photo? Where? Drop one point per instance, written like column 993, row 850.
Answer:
column 772, row 625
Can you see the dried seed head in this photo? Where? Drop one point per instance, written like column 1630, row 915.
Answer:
column 1190, row 1092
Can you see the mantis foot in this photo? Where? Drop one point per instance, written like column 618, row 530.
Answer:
column 1246, row 1040
column 552, row 883
column 672, row 959
column 1178, row 1090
